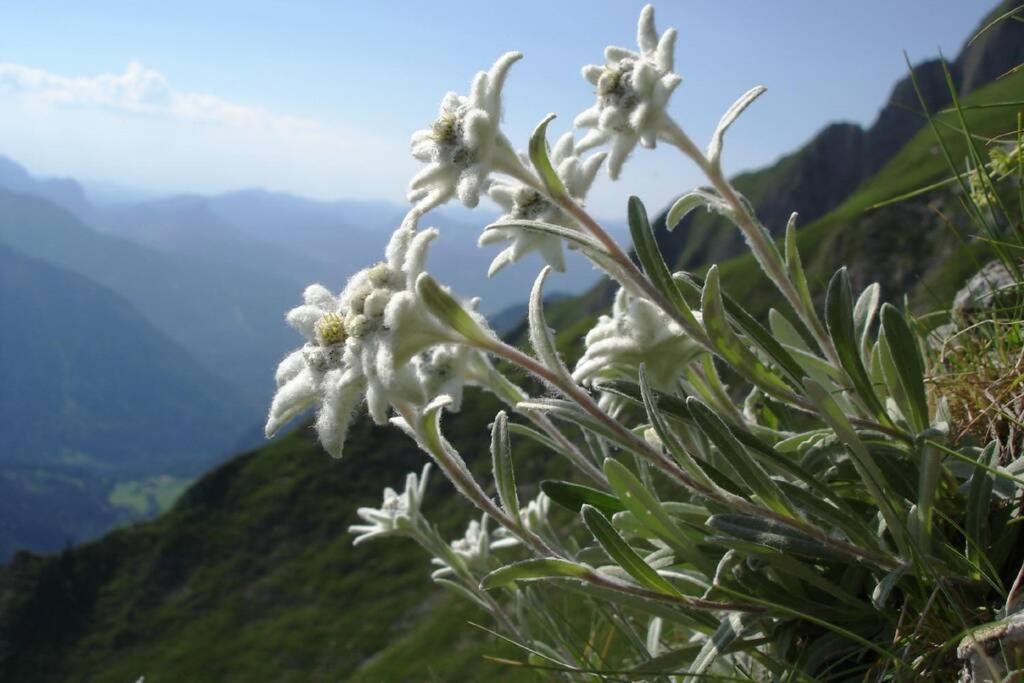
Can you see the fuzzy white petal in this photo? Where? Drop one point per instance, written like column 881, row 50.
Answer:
column 646, row 35
column 292, row 398
column 304, row 318
column 292, row 365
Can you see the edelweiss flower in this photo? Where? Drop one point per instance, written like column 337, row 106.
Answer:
column 363, row 342
column 636, row 332
column 633, row 90
column 522, row 202
column 464, row 144
column 397, row 514
column 317, row 373
column 446, row 369
column 475, row 547
column 535, row 515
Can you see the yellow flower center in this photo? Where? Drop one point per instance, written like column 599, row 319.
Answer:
column 330, row 329
column 444, row 127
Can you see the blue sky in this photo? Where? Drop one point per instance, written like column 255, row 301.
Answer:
column 319, row 98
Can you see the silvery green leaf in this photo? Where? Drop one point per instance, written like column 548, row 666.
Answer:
column 841, row 328
column 501, row 459
column 754, row 330
column 668, row 438
column 772, row 534
column 571, row 412
column 785, row 332
column 541, row 162
column 796, row 442
column 821, row 502
column 574, row 496
column 906, row 369
column 653, row 640
column 627, row 523
column 863, row 461
column 532, row 570
column 757, row 480
column 652, row 261
column 648, row 511
column 541, row 337
column 621, row 553
column 732, row 113
column 794, row 265
column 929, row 474
column 979, row 501
column 693, row 199
column 864, row 315
column 728, row 344
column 880, row 595
column 539, row 437
column 731, row 628
column 446, row 308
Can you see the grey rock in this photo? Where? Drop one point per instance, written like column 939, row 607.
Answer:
column 993, row 287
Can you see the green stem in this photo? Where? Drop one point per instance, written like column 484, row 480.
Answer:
column 764, row 249
column 466, row 485
column 665, row 464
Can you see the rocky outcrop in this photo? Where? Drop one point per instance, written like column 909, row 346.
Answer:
column 819, row 176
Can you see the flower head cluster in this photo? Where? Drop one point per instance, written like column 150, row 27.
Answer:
column 474, row 548
column 374, row 339
column 522, row 202
column 636, row 332
column 398, row 513
column 535, row 515
column 633, row 89
column 464, row 144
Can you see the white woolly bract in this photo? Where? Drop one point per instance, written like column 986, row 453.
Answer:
column 372, row 341
column 633, row 90
column 464, row 144
column 637, row 332
column 398, row 511
column 522, row 202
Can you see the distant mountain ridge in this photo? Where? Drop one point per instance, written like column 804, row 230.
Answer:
column 86, row 376
column 820, row 175
column 231, row 319
column 93, row 395
column 301, row 240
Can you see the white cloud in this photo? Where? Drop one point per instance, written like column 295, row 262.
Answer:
column 141, row 90
column 137, row 128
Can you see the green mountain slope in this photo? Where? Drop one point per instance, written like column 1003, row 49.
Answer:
column 252, row 576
